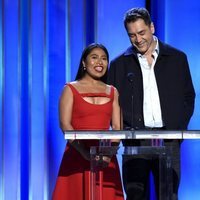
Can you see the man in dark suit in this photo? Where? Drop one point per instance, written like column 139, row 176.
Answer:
column 156, row 92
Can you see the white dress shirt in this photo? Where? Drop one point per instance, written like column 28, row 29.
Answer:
column 151, row 103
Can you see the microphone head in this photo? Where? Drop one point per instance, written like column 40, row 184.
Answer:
column 130, row 76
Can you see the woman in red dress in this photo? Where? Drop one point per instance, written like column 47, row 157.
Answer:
column 88, row 104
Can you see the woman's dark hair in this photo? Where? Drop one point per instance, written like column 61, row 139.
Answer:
column 134, row 14
column 81, row 72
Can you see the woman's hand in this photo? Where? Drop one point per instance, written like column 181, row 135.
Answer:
column 102, row 161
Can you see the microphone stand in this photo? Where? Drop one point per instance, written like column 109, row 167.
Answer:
column 130, row 77
column 132, row 109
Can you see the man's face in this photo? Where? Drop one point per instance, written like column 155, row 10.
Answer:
column 141, row 35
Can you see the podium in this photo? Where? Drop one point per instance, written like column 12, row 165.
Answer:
column 161, row 153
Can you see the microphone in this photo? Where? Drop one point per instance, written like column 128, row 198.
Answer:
column 130, row 77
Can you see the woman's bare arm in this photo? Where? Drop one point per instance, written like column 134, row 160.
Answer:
column 65, row 116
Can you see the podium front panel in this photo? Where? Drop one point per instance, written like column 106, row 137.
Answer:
column 161, row 154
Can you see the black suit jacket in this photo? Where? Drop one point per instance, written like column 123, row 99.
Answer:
column 174, row 83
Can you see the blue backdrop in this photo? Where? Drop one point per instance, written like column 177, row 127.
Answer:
column 40, row 45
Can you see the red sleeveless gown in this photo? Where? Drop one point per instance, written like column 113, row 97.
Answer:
column 73, row 179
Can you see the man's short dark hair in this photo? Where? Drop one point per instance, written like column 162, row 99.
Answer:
column 134, row 14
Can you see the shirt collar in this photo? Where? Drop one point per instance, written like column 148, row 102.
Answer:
column 157, row 45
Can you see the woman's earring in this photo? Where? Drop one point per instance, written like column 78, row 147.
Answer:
column 84, row 68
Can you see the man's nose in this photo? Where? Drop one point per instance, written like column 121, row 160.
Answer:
column 138, row 38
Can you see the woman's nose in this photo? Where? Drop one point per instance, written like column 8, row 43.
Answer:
column 99, row 61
